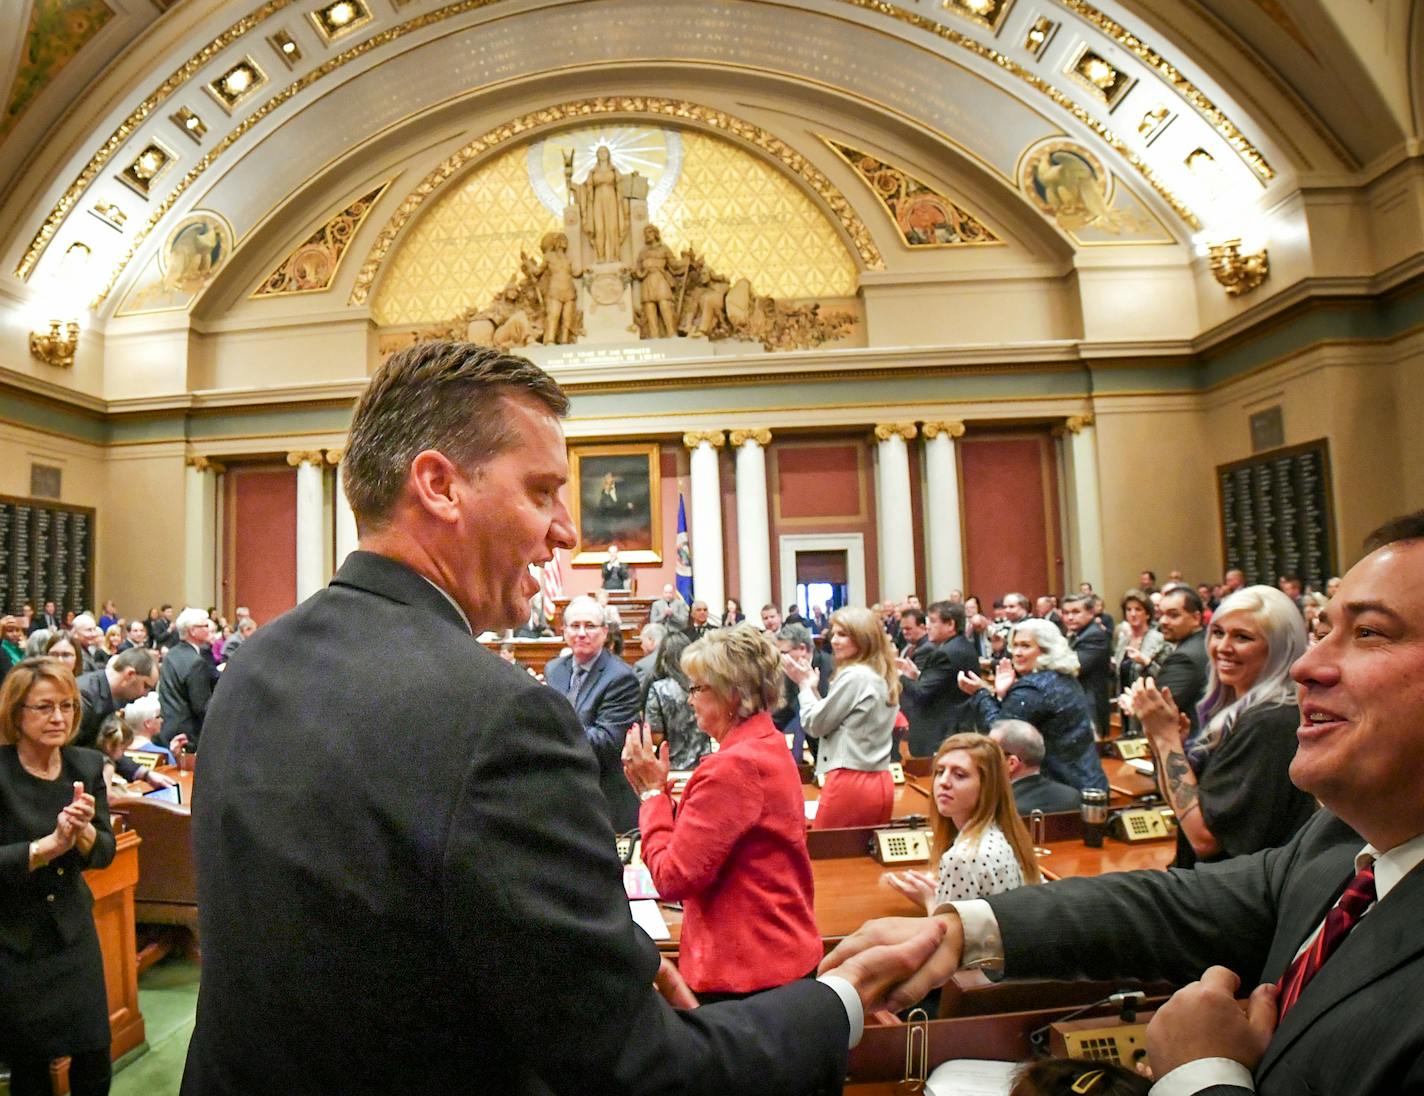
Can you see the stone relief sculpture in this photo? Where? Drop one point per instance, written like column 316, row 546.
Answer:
column 655, row 269
column 603, row 201
column 555, row 278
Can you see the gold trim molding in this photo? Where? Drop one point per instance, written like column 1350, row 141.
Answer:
column 715, row 438
column 205, row 464
column 333, row 456
column 1224, row 126
column 761, row 435
column 1076, row 424
column 306, row 456
column 680, row 110
column 952, row 429
column 884, row 431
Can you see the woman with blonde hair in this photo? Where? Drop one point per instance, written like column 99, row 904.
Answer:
column 980, row 843
column 855, row 721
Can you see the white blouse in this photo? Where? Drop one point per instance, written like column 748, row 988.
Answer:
column 978, row 866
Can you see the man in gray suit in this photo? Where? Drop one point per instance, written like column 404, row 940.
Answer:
column 604, row 691
column 1326, row 928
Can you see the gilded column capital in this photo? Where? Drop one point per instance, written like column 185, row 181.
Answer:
column 715, row 438
column 1076, row 424
column 333, row 456
column 305, row 456
column 884, row 431
column 760, row 435
column 951, row 429
column 205, row 464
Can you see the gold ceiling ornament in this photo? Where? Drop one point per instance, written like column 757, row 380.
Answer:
column 1223, row 125
column 884, row 431
column 306, row 456
column 987, row 13
column 285, row 47
column 1076, row 424
column 1153, row 123
column 55, row 346
column 238, row 84
column 201, row 463
column 147, row 167
column 191, row 125
column 131, row 123
column 312, row 266
column 340, row 18
column 951, row 429
column 925, row 217
column 1235, row 272
column 1100, row 77
column 683, row 112
column 1060, row 98
column 1039, row 35
column 715, row 438
column 110, row 214
column 761, row 435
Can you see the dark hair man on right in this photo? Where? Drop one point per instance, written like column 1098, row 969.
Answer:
column 1326, row 928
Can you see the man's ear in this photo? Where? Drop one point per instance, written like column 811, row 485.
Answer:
column 435, row 483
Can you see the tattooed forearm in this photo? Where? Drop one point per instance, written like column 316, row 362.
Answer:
column 1181, row 781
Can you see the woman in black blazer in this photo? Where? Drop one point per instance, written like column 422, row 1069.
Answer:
column 54, row 823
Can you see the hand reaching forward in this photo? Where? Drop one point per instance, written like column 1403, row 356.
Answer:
column 912, row 960
column 1204, row 1020
column 919, row 887
column 1004, row 678
column 908, row 668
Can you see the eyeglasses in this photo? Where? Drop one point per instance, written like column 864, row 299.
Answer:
column 693, row 690
column 44, row 711
column 581, row 626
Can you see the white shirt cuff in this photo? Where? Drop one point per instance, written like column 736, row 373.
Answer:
column 1192, row 1077
column 855, row 1013
column 983, row 942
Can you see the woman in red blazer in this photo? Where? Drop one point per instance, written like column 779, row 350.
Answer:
column 733, row 851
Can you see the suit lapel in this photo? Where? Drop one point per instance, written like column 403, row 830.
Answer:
column 590, row 683
column 1387, row 938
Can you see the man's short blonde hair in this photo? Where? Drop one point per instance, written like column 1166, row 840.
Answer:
column 741, row 665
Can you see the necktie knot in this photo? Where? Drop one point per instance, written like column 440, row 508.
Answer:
column 1359, row 893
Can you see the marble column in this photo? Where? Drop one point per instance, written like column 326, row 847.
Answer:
column 753, row 521
column 345, row 519
column 894, row 520
column 706, row 532
column 200, row 522
column 311, row 549
column 1085, row 514
column 944, row 543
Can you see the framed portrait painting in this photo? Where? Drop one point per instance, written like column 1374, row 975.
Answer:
column 615, row 500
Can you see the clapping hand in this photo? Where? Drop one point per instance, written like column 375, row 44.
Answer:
column 798, row 670
column 919, row 887
column 75, row 818
column 908, row 668
column 1163, row 723
column 645, row 767
column 970, row 682
column 1004, row 678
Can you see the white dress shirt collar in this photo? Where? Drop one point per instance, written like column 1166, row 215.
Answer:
column 454, row 604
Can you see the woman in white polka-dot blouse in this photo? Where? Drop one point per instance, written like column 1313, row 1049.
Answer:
column 980, row 843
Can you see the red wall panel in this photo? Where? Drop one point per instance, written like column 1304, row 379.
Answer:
column 260, row 540
column 1009, row 493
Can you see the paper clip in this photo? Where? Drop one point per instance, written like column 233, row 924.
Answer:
column 917, row 1049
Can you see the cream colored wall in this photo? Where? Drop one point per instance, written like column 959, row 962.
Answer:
column 1408, row 376
column 141, row 527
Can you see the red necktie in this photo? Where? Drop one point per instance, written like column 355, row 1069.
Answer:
column 1358, row 897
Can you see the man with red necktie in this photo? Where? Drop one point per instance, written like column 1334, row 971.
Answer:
column 1327, row 928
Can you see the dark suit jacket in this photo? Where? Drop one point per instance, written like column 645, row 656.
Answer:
column 407, row 883
column 615, row 576
column 1038, row 793
column 1356, row 1030
column 608, row 705
column 98, row 704
column 56, row 892
column 1184, row 672
column 933, row 703
column 185, row 684
column 1093, row 647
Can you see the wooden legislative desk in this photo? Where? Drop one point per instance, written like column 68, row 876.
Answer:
column 538, row 653
column 113, row 889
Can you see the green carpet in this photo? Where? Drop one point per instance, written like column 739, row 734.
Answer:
column 168, row 999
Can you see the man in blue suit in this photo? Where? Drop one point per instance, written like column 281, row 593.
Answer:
column 604, row 691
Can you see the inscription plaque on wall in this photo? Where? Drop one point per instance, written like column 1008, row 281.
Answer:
column 1276, row 515
column 46, row 554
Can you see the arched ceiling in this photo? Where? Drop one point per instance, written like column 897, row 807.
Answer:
column 1142, row 86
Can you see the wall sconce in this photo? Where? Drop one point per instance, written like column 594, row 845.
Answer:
column 54, row 348
column 1236, row 272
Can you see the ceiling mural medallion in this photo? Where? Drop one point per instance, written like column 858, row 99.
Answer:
column 198, row 246
column 924, row 217
column 312, row 267
column 654, row 152
column 1072, row 188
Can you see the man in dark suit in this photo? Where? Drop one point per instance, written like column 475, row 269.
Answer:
column 615, row 571
column 49, row 620
column 604, row 692
column 1023, row 749
column 185, row 682
column 407, row 881
column 1093, row 648
column 699, row 620
column 929, row 680
column 1328, row 925
column 1179, row 618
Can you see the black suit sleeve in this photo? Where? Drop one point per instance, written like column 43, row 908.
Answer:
column 1093, row 656
column 199, row 686
column 1185, row 678
column 536, row 912
column 935, row 676
column 617, row 711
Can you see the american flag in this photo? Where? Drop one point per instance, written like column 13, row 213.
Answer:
column 552, row 581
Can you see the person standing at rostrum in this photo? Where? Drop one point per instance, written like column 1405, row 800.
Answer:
column 436, row 904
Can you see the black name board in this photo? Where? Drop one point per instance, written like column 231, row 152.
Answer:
column 1276, row 515
column 46, row 554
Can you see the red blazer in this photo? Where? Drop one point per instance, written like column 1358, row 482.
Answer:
column 735, row 856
